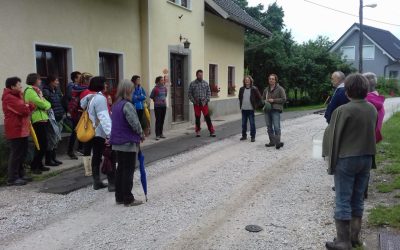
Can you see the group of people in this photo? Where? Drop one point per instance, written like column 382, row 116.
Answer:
column 354, row 116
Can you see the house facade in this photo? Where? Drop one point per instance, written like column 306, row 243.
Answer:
column 381, row 50
column 121, row 38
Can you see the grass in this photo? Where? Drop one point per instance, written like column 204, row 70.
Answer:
column 305, row 108
column 46, row 176
column 385, row 216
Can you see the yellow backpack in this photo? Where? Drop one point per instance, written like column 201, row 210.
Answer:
column 85, row 131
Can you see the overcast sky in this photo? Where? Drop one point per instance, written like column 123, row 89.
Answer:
column 307, row 20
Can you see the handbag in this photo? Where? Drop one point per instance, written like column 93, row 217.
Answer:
column 267, row 105
column 85, row 131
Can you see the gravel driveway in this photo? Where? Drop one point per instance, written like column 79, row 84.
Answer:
column 202, row 199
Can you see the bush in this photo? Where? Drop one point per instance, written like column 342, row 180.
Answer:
column 388, row 86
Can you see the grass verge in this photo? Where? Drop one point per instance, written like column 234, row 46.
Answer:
column 385, row 216
column 304, row 108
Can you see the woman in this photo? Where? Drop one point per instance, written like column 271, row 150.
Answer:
column 249, row 99
column 53, row 94
column 138, row 97
column 349, row 142
column 96, row 105
column 159, row 97
column 126, row 135
column 274, row 97
column 40, row 119
column 16, row 128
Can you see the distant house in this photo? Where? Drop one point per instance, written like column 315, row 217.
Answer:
column 381, row 50
column 120, row 38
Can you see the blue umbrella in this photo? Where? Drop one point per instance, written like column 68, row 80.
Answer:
column 142, row 169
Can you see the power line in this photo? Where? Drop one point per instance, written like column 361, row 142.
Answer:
column 350, row 14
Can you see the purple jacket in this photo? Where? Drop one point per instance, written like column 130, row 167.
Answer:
column 121, row 131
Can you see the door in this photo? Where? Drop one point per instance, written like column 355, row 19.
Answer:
column 177, row 87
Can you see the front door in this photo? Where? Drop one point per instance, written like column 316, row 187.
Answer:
column 177, row 87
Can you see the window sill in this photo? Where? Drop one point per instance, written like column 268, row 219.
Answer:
column 179, row 6
column 231, row 95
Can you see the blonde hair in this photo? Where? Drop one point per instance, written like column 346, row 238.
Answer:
column 124, row 90
column 250, row 78
column 85, row 78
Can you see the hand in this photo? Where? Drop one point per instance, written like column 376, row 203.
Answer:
column 270, row 100
column 107, row 143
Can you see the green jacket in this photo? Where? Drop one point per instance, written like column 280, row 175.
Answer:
column 42, row 105
column 351, row 132
column 279, row 96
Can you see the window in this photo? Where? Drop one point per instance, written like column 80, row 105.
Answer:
column 213, row 78
column 109, row 68
column 183, row 3
column 348, row 52
column 231, row 80
column 52, row 61
column 393, row 74
column 368, row 52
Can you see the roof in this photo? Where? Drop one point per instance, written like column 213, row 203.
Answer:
column 384, row 39
column 228, row 9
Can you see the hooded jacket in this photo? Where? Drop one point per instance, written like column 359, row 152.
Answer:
column 54, row 96
column 377, row 100
column 16, row 114
column 42, row 105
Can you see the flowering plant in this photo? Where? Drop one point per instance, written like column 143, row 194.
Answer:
column 231, row 89
column 214, row 88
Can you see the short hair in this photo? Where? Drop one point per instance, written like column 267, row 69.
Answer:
column 134, row 78
column 75, row 75
column 356, row 86
column 124, row 90
column 274, row 75
column 51, row 78
column 32, row 78
column 199, row 71
column 158, row 79
column 97, row 83
column 85, row 77
column 339, row 74
column 372, row 80
column 251, row 79
column 12, row 81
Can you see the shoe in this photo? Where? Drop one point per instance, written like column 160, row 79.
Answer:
column 111, row 188
column 72, row 155
column 119, row 202
column 197, row 134
column 253, row 139
column 162, row 137
column 43, row 168
column 278, row 143
column 271, row 141
column 80, row 152
column 133, row 203
column 157, row 138
column 333, row 188
column 342, row 240
column 17, row 182
column 270, row 145
column 213, row 135
column 99, row 185
column 49, row 159
column 54, row 157
column 27, row 178
column 243, row 138
column 36, row 171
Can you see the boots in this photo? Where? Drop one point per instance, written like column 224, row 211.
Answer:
column 342, row 241
column 87, row 164
column 271, row 141
column 111, row 182
column 97, row 183
column 54, row 157
column 355, row 225
column 49, row 159
column 278, row 143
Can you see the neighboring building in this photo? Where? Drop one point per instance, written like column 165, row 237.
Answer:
column 381, row 50
column 121, row 38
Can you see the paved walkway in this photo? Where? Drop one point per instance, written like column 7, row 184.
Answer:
column 178, row 141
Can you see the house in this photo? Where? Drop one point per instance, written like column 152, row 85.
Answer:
column 120, row 38
column 381, row 50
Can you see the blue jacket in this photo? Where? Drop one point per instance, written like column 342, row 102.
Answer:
column 338, row 99
column 138, row 97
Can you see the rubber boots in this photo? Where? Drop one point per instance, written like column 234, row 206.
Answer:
column 87, row 164
column 355, row 225
column 278, row 143
column 271, row 141
column 49, row 159
column 111, row 182
column 97, row 183
column 54, row 157
column 342, row 241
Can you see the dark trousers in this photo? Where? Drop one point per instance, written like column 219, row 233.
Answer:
column 160, row 117
column 41, row 134
column 98, row 145
column 198, row 109
column 124, row 176
column 72, row 139
column 87, row 148
column 18, row 151
column 139, row 113
column 248, row 115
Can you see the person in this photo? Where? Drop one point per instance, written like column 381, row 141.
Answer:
column 339, row 96
column 96, row 105
column 249, row 100
column 274, row 96
column 107, row 94
column 52, row 93
column 126, row 135
column 16, row 128
column 39, row 118
column 159, row 97
column 199, row 94
column 138, row 97
column 349, row 143
column 75, row 79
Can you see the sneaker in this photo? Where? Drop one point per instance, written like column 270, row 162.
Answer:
column 197, row 134
column 17, row 182
column 243, row 138
column 72, row 155
column 133, row 203
column 162, row 137
column 157, row 138
column 213, row 135
column 253, row 139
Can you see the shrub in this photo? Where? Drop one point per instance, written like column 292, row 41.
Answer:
column 388, row 86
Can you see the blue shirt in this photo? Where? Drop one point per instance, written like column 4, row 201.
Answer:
column 138, row 97
column 339, row 98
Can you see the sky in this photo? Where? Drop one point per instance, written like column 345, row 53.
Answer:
column 307, row 20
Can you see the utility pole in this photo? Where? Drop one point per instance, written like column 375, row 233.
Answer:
column 360, row 41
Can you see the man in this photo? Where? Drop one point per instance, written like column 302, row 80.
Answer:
column 199, row 95
column 339, row 96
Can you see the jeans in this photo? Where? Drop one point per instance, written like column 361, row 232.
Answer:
column 18, row 151
column 198, row 109
column 124, row 176
column 41, row 134
column 351, row 180
column 248, row 115
column 160, row 117
column 273, row 122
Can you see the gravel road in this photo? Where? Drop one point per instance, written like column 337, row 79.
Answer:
column 201, row 199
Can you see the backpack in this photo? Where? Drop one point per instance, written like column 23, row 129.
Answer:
column 74, row 107
column 85, row 131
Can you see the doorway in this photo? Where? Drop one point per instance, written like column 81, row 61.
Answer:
column 177, row 87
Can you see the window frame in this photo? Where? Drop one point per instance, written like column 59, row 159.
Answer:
column 231, row 79
column 393, row 72
column 179, row 3
column 118, row 68
column 348, row 47
column 373, row 52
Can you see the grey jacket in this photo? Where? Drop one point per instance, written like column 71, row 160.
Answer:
column 278, row 94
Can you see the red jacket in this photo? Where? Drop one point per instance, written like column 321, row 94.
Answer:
column 16, row 114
